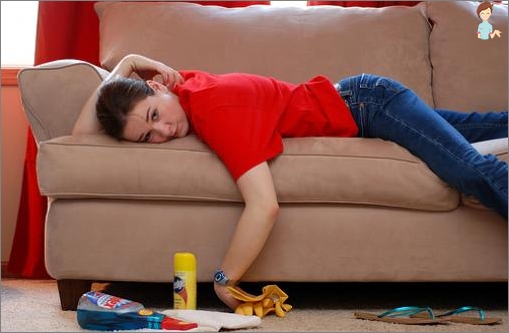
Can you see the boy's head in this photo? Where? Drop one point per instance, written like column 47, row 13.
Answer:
column 140, row 111
column 116, row 99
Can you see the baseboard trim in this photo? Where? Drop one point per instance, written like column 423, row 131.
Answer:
column 5, row 272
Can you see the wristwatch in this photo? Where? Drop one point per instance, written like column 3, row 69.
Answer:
column 221, row 278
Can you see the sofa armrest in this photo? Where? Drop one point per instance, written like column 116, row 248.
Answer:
column 53, row 94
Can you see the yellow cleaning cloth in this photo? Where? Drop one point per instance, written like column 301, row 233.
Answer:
column 272, row 299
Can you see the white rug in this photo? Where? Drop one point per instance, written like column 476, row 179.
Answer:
column 33, row 306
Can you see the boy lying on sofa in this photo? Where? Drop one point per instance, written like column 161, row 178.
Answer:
column 243, row 118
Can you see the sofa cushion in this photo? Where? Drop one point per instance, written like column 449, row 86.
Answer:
column 292, row 44
column 311, row 170
column 69, row 82
column 468, row 73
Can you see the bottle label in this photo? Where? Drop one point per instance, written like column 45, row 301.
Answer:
column 184, row 290
column 179, row 285
column 107, row 301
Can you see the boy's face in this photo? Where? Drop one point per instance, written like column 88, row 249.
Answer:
column 157, row 118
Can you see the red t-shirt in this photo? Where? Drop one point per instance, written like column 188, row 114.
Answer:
column 243, row 117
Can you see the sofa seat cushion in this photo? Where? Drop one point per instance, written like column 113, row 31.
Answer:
column 311, row 170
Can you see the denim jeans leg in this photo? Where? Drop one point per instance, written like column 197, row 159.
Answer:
column 384, row 108
column 476, row 126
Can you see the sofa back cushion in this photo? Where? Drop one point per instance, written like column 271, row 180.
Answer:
column 292, row 44
column 468, row 73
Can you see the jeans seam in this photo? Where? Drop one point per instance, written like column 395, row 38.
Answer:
column 362, row 116
column 474, row 126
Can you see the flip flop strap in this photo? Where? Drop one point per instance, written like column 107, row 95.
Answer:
column 407, row 311
column 464, row 309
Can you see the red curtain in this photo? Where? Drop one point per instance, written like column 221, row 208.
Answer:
column 363, row 3
column 65, row 29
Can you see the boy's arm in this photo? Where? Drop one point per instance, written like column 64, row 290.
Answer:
column 253, row 228
column 87, row 122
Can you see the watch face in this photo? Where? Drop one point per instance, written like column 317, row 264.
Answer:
column 219, row 276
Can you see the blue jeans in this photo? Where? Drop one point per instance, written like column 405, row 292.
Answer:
column 385, row 109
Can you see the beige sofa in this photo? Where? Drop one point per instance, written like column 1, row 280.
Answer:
column 352, row 209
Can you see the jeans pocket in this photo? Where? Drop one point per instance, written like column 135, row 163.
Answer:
column 370, row 81
column 390, row 85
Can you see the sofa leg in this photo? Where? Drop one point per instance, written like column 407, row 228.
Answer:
column 70, row 291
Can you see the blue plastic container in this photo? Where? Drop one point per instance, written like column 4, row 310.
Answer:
column 102, row 312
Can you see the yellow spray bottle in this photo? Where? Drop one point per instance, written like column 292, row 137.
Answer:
column 184, row 281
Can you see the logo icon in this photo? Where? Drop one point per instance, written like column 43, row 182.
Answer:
column 485, row 30
column 179, row 288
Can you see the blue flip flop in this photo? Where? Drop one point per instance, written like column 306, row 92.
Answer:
column 453, row 316
column 403, row 315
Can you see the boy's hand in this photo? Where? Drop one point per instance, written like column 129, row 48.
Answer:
column 148, row 69
column 171, row 77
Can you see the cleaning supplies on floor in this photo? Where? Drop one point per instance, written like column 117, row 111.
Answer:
column 272, row 299
column 103, row 312
column 215, row 321
column 184, row 282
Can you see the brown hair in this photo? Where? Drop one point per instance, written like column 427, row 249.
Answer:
column 483, row 6
column 116, row 98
